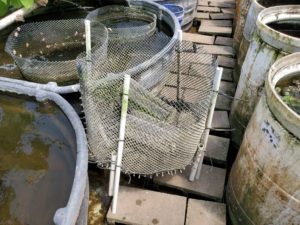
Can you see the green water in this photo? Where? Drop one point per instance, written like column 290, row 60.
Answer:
column 37, row 161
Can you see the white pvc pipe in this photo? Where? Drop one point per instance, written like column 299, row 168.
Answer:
column 88, row 42
column 51, row 86
column 112, row 174
column 179, row 46
column 197, row 165
column 20, row 13
column 124, row 109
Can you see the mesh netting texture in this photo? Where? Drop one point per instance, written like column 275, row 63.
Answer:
column 169, row 97
column 125, row 22
column 47, row 51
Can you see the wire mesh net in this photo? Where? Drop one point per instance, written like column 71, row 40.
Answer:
column 169, row 97
column 47, row 51
column 125, row 22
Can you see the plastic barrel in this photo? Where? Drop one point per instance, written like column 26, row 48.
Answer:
column 264, row 184
column 271, row 43
column 177, row 10
column 250, row 27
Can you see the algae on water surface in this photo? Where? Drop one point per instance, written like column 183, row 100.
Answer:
column 37, row 163
column 289, row 91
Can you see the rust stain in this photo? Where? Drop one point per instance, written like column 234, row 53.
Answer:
column 155, row 221
column 260, row 189
column 138, row 202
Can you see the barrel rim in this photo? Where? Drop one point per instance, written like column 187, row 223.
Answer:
column 284, row 67
column 256, row 2
column 273, row 37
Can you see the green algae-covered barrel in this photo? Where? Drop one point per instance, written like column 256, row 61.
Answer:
column 278, row 32
column 250, row 26
column 264, row 184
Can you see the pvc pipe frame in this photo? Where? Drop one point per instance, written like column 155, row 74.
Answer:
column 197, row 165
column 116, row 159
column 11, row 18
column 179, row 65
column 88, row 44
column 112, row 173
column 124, row 109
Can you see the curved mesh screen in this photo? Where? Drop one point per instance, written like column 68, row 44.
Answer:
column 47, row 51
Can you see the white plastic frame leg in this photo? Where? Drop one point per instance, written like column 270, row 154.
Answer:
column 197, row 165
column 112, row 174
column 124, row 109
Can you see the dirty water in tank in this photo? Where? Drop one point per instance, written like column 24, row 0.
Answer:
column 66, row 11
column 37, row 163
column 270, row 3
column 288, row 27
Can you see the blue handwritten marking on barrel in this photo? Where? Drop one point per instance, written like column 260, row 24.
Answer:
column 177, row 10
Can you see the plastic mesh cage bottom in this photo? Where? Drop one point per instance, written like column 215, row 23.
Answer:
column 164, row 125
column 125, row 22
column 47, row 51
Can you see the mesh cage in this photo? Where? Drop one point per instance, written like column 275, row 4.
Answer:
column 47, row 51
column 169, row 97
column 125, row 22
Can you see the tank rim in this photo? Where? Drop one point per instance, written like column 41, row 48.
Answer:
column 69, row 214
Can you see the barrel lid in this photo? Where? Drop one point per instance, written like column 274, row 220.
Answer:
column 286, row 67
column 273, row 37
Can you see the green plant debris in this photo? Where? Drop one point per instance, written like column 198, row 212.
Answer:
column 14, row 4
column 289, row 90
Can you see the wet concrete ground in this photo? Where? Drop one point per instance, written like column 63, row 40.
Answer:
column 99, row 201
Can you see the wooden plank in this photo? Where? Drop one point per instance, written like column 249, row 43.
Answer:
column 203, row 3
column 230, row 5
column 217, row 23
column 224, row 41
column 143, row 207
column 170, row 93
column 220, row 16
column 227, row 75
column 226, row 62
column 200, row 16
column 214, row 30
column 223, row 4
column 208, row 9
column 193, row 83
column 227, row 10
column 218, row 50
column 201, row 212
column 228, row 1
column 192, row 95
column 227, row 88
column 198, row 38
column 194, row 64
column 220, row 120
column 217, row 149
column 223, row 103
column 210, row 184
